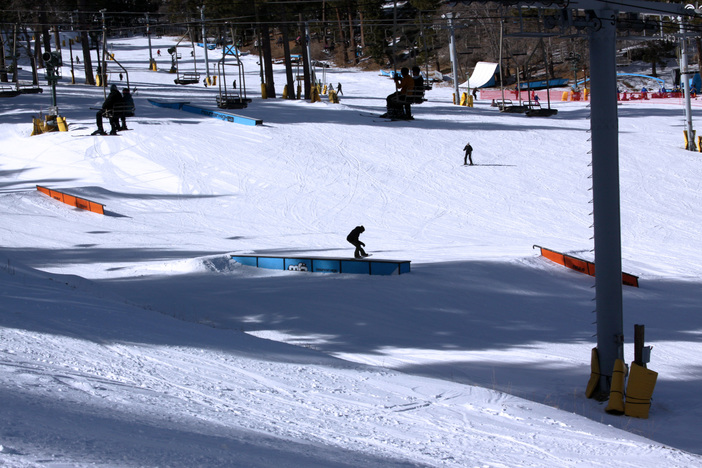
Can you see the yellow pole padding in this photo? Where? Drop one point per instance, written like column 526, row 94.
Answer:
column 594, row 374
column 37, row 127
column 463, row 100
column 470, row 101
column 454, row 97
column 264, row 94
column 315, row 95
column 564, row 96
column 586, row 94
column 687, row 140
column 214, row 80
column 324, row 91
column 639, row 390
column 616, row 392
column 62, row 125
column 285, row 92
column 699, row 144
column 50, row 124
column 97, row 80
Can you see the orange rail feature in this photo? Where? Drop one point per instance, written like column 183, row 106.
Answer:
column 583, row 266
column 78, row 202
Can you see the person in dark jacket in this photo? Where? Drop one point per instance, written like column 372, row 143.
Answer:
column 469, row 155
column 115, row 97
column 353, row 239
column 128, row 108
column 395, row 102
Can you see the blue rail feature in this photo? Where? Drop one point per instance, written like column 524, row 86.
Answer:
column 364, row 266
column 226, row 116
column 168, row 104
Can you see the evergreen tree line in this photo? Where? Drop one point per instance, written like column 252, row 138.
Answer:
column 348, row 32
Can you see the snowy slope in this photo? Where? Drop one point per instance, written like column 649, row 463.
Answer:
column 137, row 322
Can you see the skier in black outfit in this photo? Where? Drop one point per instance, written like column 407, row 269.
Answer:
column 469, row 155
column 115, row 97
column 353, row 239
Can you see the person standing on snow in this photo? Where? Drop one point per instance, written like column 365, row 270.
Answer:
column 353, row 239
column 469, row 155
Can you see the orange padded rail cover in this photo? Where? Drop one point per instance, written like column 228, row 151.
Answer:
column 583, row 266
column 81, row 203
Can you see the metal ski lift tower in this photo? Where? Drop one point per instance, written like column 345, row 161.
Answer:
column 600, row 24
column 454, row 56
column 204, row 44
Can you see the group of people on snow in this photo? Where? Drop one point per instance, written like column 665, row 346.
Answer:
column 409, row 90
column 117, row 107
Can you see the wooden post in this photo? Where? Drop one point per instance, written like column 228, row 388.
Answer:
column 639, row 344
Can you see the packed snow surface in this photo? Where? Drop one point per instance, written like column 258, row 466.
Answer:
column 131, row 339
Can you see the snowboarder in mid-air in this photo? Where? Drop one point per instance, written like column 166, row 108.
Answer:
column 353, row 239
column 469, row 155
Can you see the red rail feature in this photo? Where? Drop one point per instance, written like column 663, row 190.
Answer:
column 82, row 203
column 583, row 266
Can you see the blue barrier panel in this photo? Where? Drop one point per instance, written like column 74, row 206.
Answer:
column 168, row 104
column 248, row 261
column 275, row 263
column 383, row 268
column 326, row 266
column 240, row 119
column 353, row 266
column 298, row 264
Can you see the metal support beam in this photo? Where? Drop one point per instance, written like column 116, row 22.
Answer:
column 686, row 88
column 204, row 43
column 605, row 188
column 454, row 56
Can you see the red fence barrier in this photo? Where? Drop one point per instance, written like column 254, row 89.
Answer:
column 81, row 203
column 583, row 266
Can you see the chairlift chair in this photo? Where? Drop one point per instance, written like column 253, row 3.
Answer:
column 6, row 91
column 184, row 78
column 231, row 99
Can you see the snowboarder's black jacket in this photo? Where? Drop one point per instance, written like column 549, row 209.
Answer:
column 353, row 235
column 115, row 97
